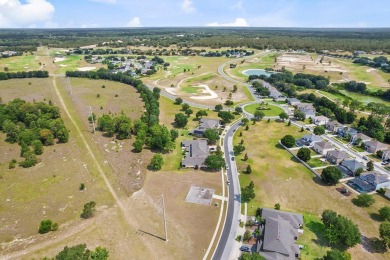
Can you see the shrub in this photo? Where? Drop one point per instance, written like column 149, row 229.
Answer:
column 384, row 212
column 331, row 175
column 304, row 154
column 247, row 235
column 47, row 226
column 156, row 163
column 364, row 200
column 288, row 141
column 89, row 210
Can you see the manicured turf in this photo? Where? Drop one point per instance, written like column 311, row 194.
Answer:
column 273, row 110
column 19, row 63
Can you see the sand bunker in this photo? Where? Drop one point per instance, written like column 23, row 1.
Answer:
column 86, row 68
column 371, row 69
column 206, row 90
column 59, row 59
column 171, row 91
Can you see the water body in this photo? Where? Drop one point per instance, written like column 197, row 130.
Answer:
column 257, row 72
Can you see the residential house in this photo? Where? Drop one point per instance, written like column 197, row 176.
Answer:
column 336, row 156
column 196, row 153
column 204, row 124
column 276, row 95
column 333, row 126
column 307, row 109
column 323, row 147
column 386, row 155
column 387, row 193
column 308, row 140
column 376, row 179
column 374, row 146
column 360, row 138
column 346, row 131
column 279, row 234
column 320, row 120
column 293, row 101
column 352, row 165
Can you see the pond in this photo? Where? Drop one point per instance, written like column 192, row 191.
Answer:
column 257, row 72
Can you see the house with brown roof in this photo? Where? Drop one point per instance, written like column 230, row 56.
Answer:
column 323, row 147
column 336, row 156
column 374, row 146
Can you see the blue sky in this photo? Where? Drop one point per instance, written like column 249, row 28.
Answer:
column 151, row 13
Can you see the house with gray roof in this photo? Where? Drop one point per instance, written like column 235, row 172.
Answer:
column 375, row 179
column 293, row 101
column 359, row 137
column 333, row 126
column 196, row 153
column 336, row 156
column 386, row 155
column 204, row 124
column 352, row 165
column 346, row 131
column 320, row 120
column 308, row 140
column 323, row 147
column 279, row 234
column 374, row 146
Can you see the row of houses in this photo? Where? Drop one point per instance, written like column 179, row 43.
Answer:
column 196, row 151
column 6, row 54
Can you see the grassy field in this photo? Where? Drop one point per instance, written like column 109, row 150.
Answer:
column 20, row 63
column 279, row 178
column 273, row 110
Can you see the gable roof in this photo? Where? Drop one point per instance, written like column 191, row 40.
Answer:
column 338, row 154
column 205, row 123
column 296, row 220
column 352, row 165
column 294, row 100
column 312, row 138
column 362, row 136
column 324, row 145
column 321, row 118
column 376, row 145
column 374, row 177
column 196, row 152
column 334, row 123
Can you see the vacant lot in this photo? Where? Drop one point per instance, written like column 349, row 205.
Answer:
column 279, row 178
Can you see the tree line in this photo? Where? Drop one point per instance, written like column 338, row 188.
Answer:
column 24, row 74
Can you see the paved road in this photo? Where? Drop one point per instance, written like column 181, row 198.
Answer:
column 228, row 236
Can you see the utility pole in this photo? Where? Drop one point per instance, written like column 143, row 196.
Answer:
column 93, row 121
column 165, row 221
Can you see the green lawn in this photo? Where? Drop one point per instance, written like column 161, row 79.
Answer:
column 316, row 162
column 190, row 89
column 19, row 63
column 273, row 110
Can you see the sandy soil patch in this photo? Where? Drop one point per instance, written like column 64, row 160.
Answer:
column 371, row 69
column 63, row 65
column 171, row 91
column 58, row 59
column 206, row 90
column 86, row 68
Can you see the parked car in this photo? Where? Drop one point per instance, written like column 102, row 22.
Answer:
column 227, row 182
column 365, row 158
column 227, row 166
column 245, row 248
column 233, row 158
column 385, row 163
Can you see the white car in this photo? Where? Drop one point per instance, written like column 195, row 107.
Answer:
column 227, row 166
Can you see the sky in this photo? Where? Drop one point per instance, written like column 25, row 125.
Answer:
column 194, row 13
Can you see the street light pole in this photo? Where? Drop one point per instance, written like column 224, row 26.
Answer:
column 165, row 222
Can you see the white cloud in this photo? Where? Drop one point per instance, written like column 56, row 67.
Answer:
column 134, row 22
column 188, row 6
column 104, row 1
column 238, row 6
column 239, row 22
column 13, row 13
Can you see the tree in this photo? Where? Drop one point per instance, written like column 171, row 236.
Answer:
column 238, row 110
column 160, row 138
column 185, row 106
column 283, row 116
column 340, row 230
column 80, row 252
column 248, row 192
column 244, row 121
column 188, row 112
column 100, row 253
column 299, row 115
column 331, row 175
column 174, row 134
column 201, row 113
column 288, row 141
column 319, row 130
column 384, row 232
column 247, row 235
column 89, row 209
column 335, row 254
column 246, row 157
column 277, row 206
column 47, row 226
column 289, row 123
column 258, row 115
column 218, row 108
column 248, row 169
column 226, row 116
column 214, row 162
column 212, row 135
column 82, row 186
column 249, row 256
column 384, row 212
column 238, row 149
column 370, row 166
column 37, row 147
column 178, row 101
column 181, row 120
column 229, row 102
column 304, row 154
column 364, row 200
column 156, row 163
